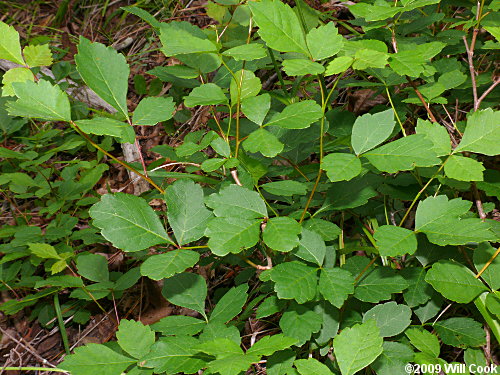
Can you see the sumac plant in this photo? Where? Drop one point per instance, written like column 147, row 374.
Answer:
column 360, row 237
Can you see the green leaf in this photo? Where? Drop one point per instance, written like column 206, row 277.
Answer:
column 94, row 359
column 44, row 250
column 105, row 71
column 324, row 41
column 491, row 183
column 295, row 280
column 39, row 100
column 10, row 47
column 461, row 332
column 394, row 241
column 371, row 130
column 135, row 338
column 281, row 233
column 280, row 362
column 393, row 359
column 179, row 38
column 432, row 210
column 369, row 58
column 213, row 164
column 419, row 291
column 152, row 110
column 454, row 281
column 424, row 341
column 341, row 166
column 326, row 229
column 285, row 188
column 186, row 213
column 128, row 222
column 482, row 256
column 464, row 169
column 264, row 142
column 237, row 201
column 230, row 304
column 37, row 55
column 338, row 65
column 357, row 347
column 482, row 133
column 247, row 85
column 15, row 75
column 300, row 322
column 492, row 302
column 93, row 267
column 163, row 266
column 311, row 248
column 232, row 234
column 311, row 366
column 412, row 60
column 374, row 12
column 279, row 26
column 207, row 94
column 174, row 355
column 246, row 52
column 437, row 134
column 144, row 15
column 297, row 115
column 452, row 79
column 378, row 285
column 107, row 126
column 302, row 67
column 351, row 194
column 335, row 284
column 403, row 154
column 186, row 290
column 270, row 344
column 391, row 318
column 179, row 325
column 255, row 108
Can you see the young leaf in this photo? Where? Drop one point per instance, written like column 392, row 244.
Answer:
column 482, row 133
column 128, row 222
column 246, row 85
column 44, row 250
column 255, row 108
column 37, row 55
column 186, row 290
column 94, row 359
column 297, row 115
column 10, row 47
column 393, row 241
column 338, row 65
column 281, row 233
column 311, row 366
column 341, row 166
column 165, row 265
column 371, row 130
column 207, row 94
column 391, row 318
column 105, row 71
column 15, row 75
column 39, row 100
column 107, row 126
column 286, row 188
column 230, row 304
column 264, row 142
column 232, row 234
column 454, row 281
column 152, row 110
column 311, row 248
column 295, row 280
column 302, row 67
column 180, row 38
column 437, row 134
column 300, row 322
column 93, row 267
column 357, row 347
column 464, row 169
column 324, row 41
column 237, row 201
column 186, row 213
column 335, row 284
column 424, row 341
column 461, row 332
column 279, row 26
column 368, row 58
column 247, row 52
column 135, row 338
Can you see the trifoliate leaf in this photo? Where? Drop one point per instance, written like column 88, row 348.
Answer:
column 324, row 41
column 247, row 52
column 135, row 338
column 107, row 126
column 186, row 290
column 152, row 110
column 464, row 169
column 264, row 142
column 163, row 266
column 128, row 222
column 302, row 67
column 39, row 100
column 297, row 115
column 207, row 94
column 187, row 214
column 232, row 234
column 37, row 55
column 391, row 318
column 311, row 248
column 10, row 47
column 371, row 130
column 357, row 347
column 178, row 38
column 279, row 26
column 281, row 233
column 295, row 280
column 341, row 166
column 393, row 241
column 105, row 71
column 255, row 108
column 335, row 284
column 482, row 133
column 300, row 322
column 454, row 281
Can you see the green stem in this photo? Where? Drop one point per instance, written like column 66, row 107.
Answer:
column 60, row 321
column 490, row 320
column 278, row 71
column 394, row 110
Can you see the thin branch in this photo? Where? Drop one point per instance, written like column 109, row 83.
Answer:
column 479, row 203
column 424, row 103
column 470, row 55
column 488, row 90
